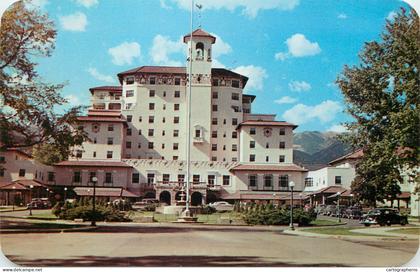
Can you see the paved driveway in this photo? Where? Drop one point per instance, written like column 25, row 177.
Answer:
column 180, row 245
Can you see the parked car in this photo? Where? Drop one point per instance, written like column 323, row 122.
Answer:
column 353, row 213
column 221, row 206
column 39, row 203
column 329, row 209
column 384, row 216
column 141, row 205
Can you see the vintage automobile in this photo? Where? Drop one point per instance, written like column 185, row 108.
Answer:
column 39, row 203
column 141, row 205
column 383, row 216
column 221, row 206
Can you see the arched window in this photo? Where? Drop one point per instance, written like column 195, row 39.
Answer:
column 199, row 49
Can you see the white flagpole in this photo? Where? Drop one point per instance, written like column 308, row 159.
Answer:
column 189, row 114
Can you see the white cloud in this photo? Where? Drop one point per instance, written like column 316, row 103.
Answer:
column 163, row 47
column 285, row 100
column 74, row 22
column 125, row 53
column 217, row 64
column 298, row 46
column 338, row 128
column 164, row 5
column 299, row 86
column 256, row 75
column 323, row 112
column 73, row 100
column 101, row 77
column 87, row 3
column 5, row 4
column 220, row 47
column 391, row 15
column 249, row 8
column 342, row 16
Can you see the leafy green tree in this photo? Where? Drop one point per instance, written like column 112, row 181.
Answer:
column 28, row 113
column 382, row 95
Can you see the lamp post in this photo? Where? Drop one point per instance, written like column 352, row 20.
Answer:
column 93, row 222
column 338, row 207
column 30, row 199
column 291, row 185
column 14, row 197
column 65, row 194
column 351, row 199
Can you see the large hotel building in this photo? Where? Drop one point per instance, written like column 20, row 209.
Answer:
column 137, row 137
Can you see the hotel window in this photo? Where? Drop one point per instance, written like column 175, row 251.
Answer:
column 109, row 154
column 150, row 145
column 267, row 145
column 267, row 158
column 164, row 94
column 235, row 96
column 163, row 120
column 214, row 121
column 214, row 147
column 128, row 106
column 282, row 158
column 181, row 178
column 175, row 158
column 309, row 182
column 151, row 106
column 177, row 81
column 214, row 158
column 150, row 178
column 234, row 121
column 177, row 94
column 215, row 95
column 91, row 176
column 175, row 146
column 236, row 109
column 337, row 179
column 152, row 93
column 108, row 177
column 176, row 133
column 234, row 134
column 197, row 133
column 129, row 131
column 151, row 119
column 235, row 84
column 215, row 82
column 51, row 176
column 211, row 180
column 252, row 157
column 224, row 147
column 22, row 172
column 282, row 145
column 129, row 80
column 214, row 107
column 129, row 93
column 284, row 181
column 282, row 131
column 139, row 131
column 77, row 177
column 95, row 127
column 95, row 140
column 176, row 120
column 268, row 180
column 214, row 134
column 135, row 178
column 165, row 177
column 196, row 179
column 129, row 118
column 151, row 132
column 251, row 144
column 234, row 159
column 110, row 141
column 140, row 119
column 176, row 107
column 164, row 106
column 163, row 146
column 252, row 180
column 127, row 144
column 252, row 131
column 224, row 121
column 79, row 153
column 234, row 147
column 226, row 180
column 163, row 133
column 110, row 127
column 139, row 145
column 152, row 80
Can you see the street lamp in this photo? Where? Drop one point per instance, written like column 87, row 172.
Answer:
column 30, row 199
column 65, row 194
column 14, row 197
column 338, row 207
column 351, row 199
column 291, row 185
column 93, row 222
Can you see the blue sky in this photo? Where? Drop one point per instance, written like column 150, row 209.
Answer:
column 292, row 50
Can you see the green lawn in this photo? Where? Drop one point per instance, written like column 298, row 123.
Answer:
column 46, row 215
column 214, row 218
column 407, row 231
column 324, row 222
column 337, row 231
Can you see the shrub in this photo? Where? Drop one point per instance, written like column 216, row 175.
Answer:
column 207, row 209
column 102, row 213
column 272, row 216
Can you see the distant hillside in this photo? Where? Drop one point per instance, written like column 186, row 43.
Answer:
column 314, row 149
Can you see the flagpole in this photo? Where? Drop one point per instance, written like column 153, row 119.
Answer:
column 187, row 208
